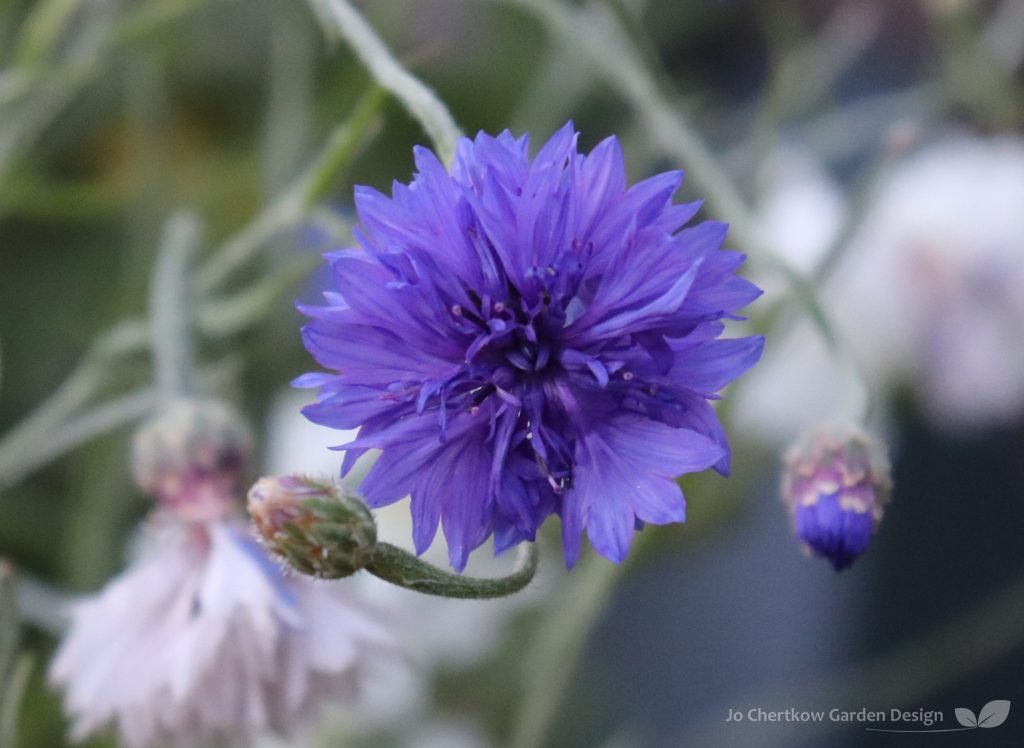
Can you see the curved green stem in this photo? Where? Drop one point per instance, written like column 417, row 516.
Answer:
column 418, row 99
column 401, row 568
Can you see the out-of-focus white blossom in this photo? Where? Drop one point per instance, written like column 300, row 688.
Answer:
column 203, row 638
column 929, row 296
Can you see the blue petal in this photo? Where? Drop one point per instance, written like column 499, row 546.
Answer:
column 709, row 366
column 623, row 472
column 839, row 535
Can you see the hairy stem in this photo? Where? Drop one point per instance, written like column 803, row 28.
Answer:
column 401, row 568
column 419, row 100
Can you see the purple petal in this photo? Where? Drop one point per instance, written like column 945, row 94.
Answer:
column 709, row 366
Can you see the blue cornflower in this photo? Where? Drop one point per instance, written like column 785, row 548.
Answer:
column 525, row 338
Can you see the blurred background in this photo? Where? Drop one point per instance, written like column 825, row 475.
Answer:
column 878, row 151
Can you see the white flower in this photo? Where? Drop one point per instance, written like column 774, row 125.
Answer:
column 929, row 296
column 934, row 290
column 204, row 638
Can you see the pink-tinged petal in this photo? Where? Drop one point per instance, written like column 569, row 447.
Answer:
column 203, row 639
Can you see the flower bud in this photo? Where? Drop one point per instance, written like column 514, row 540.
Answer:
column 836, row 483
column 191, row 457
column 315, row 527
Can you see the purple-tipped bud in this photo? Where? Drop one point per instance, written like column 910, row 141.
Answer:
column 836, row 484
column 191, row 457
column 315, row 527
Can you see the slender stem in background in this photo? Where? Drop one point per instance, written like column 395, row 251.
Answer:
column 403, row 569
column 1003, row 38
column 557, row 645
column 21, row 128
column 25, row 80
column 973, row 76
column 291, row 95
column 14, row 669
column 34, row 92
column 598, row 36
column 10, row 622
column 419, row 100
column 341, row 146
column 42, row 30
column 849, row 128
column 222, row 317
column 23, row 446
column 75, row 432
column 806, row 73
column 12, row 696
column 292, row 204
column 169, row 307
column 42, row 606
column 10, row 684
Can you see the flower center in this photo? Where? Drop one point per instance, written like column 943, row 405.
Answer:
column 510, row 334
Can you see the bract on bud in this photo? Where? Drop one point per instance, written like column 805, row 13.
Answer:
column 836, row 483
column 191, row 457
column 316, row 527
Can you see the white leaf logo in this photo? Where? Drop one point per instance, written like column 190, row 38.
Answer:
column 966, row 717
column 994, row 713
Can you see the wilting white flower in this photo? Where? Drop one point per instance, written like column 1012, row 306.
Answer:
column 938, row 272
column 204, row 638
column 929, row 295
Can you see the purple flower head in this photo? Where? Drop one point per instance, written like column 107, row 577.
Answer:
column 525, row 338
